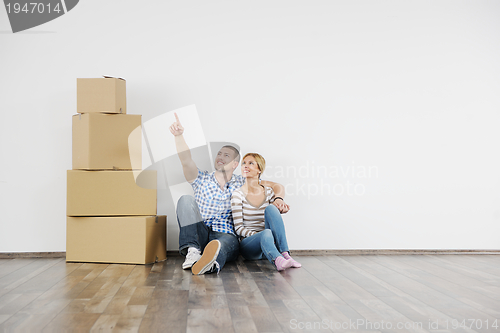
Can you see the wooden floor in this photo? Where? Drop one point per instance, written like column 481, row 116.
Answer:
column 376, row 293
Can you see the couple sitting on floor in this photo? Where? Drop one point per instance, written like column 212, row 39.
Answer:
column 208, row 238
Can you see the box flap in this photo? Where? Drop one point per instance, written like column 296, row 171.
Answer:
column 113, row 77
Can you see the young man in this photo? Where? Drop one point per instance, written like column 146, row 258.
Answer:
column 205, row 221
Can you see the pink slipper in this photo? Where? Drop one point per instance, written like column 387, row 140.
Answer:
column 295, row 264
column 282, row 264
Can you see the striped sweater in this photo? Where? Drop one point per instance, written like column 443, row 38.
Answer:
column 249, row 219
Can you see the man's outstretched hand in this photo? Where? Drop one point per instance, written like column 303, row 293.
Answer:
column 281, row 205
column 176, row 128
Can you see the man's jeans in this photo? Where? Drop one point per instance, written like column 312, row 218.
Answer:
column 270, row 242
column 195, row 233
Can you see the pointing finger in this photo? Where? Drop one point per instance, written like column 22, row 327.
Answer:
column 176, row 117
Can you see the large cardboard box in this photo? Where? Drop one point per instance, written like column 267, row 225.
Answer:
column 106, row 95
column 128, row 240
column 101, row 141
column 110, row 193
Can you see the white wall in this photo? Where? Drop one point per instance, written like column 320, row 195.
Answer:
column 410, row 89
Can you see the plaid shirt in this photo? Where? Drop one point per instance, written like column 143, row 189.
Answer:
column 214, row 203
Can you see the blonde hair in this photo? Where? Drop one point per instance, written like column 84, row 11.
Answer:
column 261, row 162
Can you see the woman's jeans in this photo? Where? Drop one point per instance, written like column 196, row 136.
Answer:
column 195, row 233
column 270, row 242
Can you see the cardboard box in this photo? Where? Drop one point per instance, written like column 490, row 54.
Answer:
column 106, row 95
column 127, row 240
column 110, row 193
column 101, row 141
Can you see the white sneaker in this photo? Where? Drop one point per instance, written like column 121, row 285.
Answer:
column 192, row 256
column 207, row 263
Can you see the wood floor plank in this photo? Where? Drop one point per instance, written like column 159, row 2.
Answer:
column 72, row 322
column 230, row 284
column 467, row 268
column 481, row 264
column 3, row 318
column 463, row 289
column 370, row 307
column 12, row 265
column 120, row 300
column 332, row 311
column 24, row 274
column 327, row 294
column 48, row 278
column 105, row 323
column 4, row 261
column 138, row 276
column 141, row 295
column 167, row 312
column 411, row 307
column 408, row 281
column 264, row 319
column 131, row 318
column 114, row 277
column 85, row 275
column 17, row 303
column 198, row 298
column 214, row 285
column 209, row 320
column 33, row 320
column 242, row 319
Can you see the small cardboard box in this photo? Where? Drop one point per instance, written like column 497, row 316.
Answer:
column 107, row 95
column 101, row 141
column 110, row 193
column 127, row 240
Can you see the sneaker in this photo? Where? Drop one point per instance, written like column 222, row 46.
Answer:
column 295, row 264
column 215, row 268
column 282, row 263
column 192, row 256
column 207, row 263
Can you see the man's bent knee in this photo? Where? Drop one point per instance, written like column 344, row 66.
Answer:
column 186, row 200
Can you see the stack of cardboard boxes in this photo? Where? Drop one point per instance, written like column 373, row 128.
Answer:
column 110, row 217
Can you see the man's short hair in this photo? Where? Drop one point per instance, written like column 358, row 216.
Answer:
column 235, row 150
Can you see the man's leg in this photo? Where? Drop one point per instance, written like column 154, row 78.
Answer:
column 230, row 247
column 221, row 248
column 193, row 231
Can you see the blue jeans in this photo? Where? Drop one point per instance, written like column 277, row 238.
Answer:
column 270, row 242
column 195, row 233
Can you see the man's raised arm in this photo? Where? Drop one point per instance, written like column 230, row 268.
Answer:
column 188, row 166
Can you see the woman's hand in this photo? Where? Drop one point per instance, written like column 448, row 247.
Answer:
column 176, row 128
column 281, row 205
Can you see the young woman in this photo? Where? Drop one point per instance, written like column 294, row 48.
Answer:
column 257, row 222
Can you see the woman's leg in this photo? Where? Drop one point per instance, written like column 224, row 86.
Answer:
column 252, row 248
column 274, row 222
